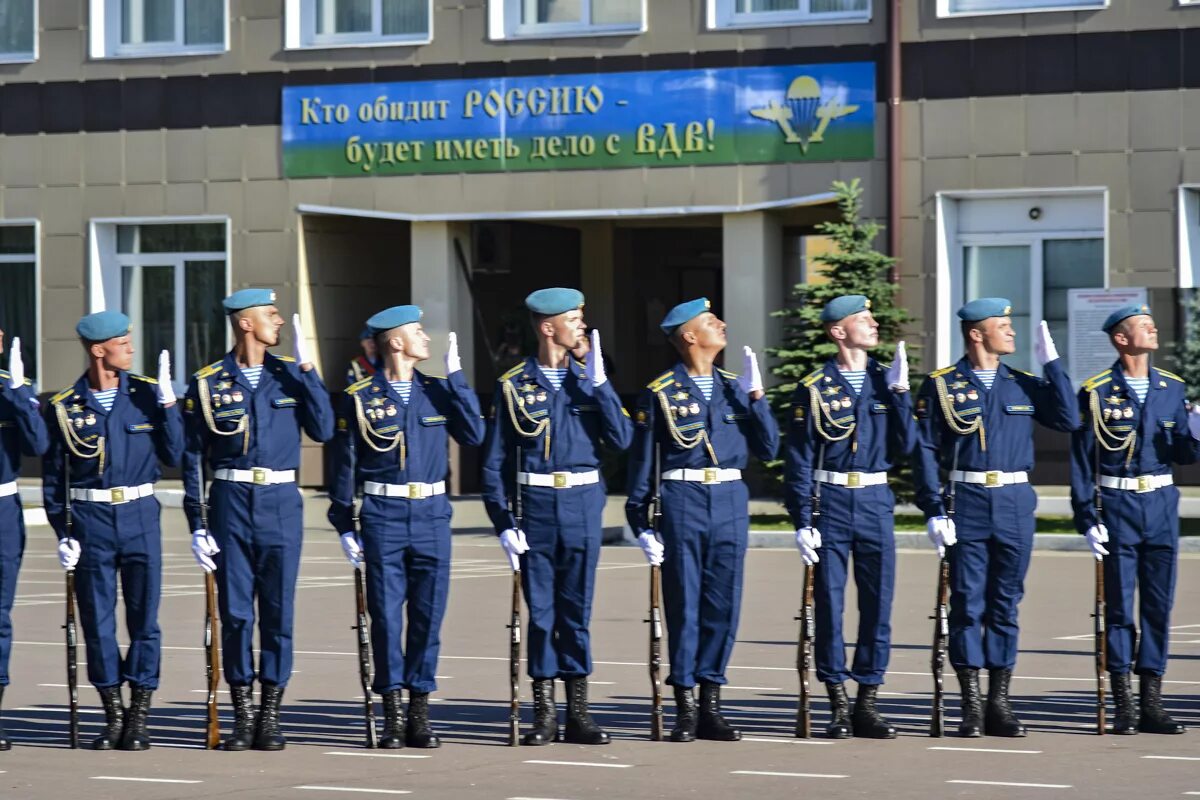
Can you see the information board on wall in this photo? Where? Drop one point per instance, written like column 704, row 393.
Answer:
column 1091, row 351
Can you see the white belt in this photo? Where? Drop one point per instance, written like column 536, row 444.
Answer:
column 8, row 489
column 115, row 495
column 990, row 479
column 1142, row 483
column 259, row 475
column 706, row 475
column 411, row 491
column 559, row 480
column 851, row 480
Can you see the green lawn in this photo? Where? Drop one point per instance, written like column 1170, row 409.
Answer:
column 1049, row 523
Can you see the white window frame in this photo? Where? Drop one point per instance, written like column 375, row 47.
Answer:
column 104, row 35
column 945, row 8
column 26, row 57
column 37, row 285
column 1188, row 221
column 504, row 22
column 300, row 30
column 105, row 267
column 722, row 16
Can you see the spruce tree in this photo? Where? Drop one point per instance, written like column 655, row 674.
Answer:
column 1187, row 351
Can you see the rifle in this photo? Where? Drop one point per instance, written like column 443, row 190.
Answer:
column 212, row 655
column 655, row 619
column 941, row 624
column 360, row 616
column 69, row 626
column 514, row 625
column 804, row 645
column 1099, row 613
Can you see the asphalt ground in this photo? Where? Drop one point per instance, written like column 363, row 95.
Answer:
column 1054, row 694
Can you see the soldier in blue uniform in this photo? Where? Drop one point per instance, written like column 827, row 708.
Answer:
column 366, row 363
column 22, row 432
column 243, row 416
column 559, row 413
column 975, row 420
column 851, row 422
column 1136, row 424
column 706, row 423
column 392, row 440
column 108, row 434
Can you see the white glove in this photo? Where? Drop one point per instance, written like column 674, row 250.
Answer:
column 941, row 532
column 897, row 374
column 652, row 547
column 352, row 547
column 16, row 367
column 204, row 547
column 1194, row 420
column 1097, row 536
column 1044, row 345
column 164, row 389
column 808, row 540
column 302, row 356
column 514, row 544
column 453, row 362
column 68, row 553
column 593, row 363
column 751, row 379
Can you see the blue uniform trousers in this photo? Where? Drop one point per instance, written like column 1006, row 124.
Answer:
column 987, row 573
column 123, row 539
column 705, row 531
column 858, row 522
column 259, row 531
column 1143, row 546
column 407, row 548
column 564, row 528
column 12, row 547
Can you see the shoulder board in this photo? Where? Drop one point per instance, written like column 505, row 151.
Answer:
column 1098, row 376
column 356, row 387
column 1022, row 372
column 1099, row 379
column 143, row 378
column 211, row 369
column 814, row 376
column 3, row 374
column 1171, row 375
column 662, row 381
column 937, row 373
column 727, row 373
column 63, row 395
column 512, row 373
column 288, row 359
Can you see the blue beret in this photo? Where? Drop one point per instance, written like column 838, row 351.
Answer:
column 367, row 333
column 248, row 298
column 549, row 302
column 102, row 326
column 684, row 312
column 393, row 317
column 985, row 307
column 841, row 307
column 1124, row 312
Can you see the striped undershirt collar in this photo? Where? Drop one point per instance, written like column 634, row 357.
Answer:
column 555, row 375
column 105, row 398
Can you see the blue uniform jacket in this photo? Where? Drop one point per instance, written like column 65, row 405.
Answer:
column 884, row 431
column 736, row 426
column 581, row 417
column 257, row 428
column 128, row 442
column 1009, row 409
column 22, row 430
column 1160, row 423
column 436, row 407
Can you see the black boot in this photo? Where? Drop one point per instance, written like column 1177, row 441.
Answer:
column 114, row 719
column 839, row 712
column 712, row 725
column 545, row 715
column 5, row 744
column 266, row 734
column 999, row 720
column 393, row 721
column 1126, row 721
column 581, row 728
column 868, row 723
column 242, row 737
column 1155, row 718
column 419, row 732
column 135, row 736
column 971, row 726
column 685, row 715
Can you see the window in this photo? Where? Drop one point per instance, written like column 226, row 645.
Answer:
column 357, row 23
column 147, row 28
column 562, row 18
column 18, row 30
column 170, row 279
column 949, row 8
column 18, row 292
column 771, row 13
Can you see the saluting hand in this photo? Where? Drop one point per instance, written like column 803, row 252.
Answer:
column 164, row 389
column 751, row 378
column 1044, row 345
column 1194, row 420
column 593, row 363
column 302, row 356
column 16, row 366
column 453, row 362
column 897, row 374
